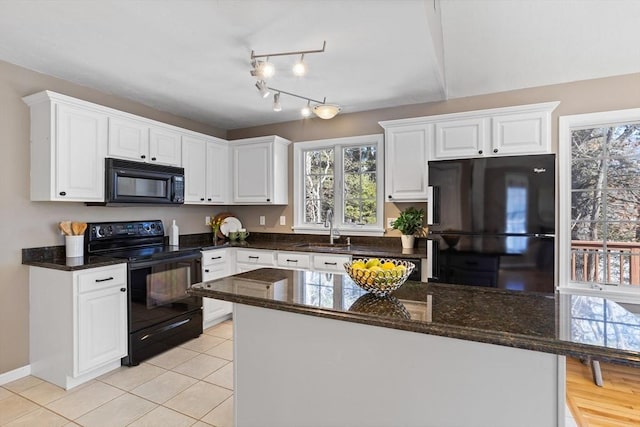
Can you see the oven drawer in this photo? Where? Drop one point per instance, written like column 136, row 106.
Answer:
column 100, row 278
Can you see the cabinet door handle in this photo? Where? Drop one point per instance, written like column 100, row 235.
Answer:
column 389, row 196
column 206, row 270
column 268, row 200
column 104, row 280
column 153, row 158
column 143, row 157
column 218, row 257
column 330, row 263
column 479, row 151
column 123, row 289
column 63, row 193
column 254, row 257
column 495, row 150
column 209, row 199
column 292, row 260
column 202, row 199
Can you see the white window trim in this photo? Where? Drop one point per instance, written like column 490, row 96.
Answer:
column 299, row 226
column 565, row 126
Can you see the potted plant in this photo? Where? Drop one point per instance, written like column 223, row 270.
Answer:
column 409, row 222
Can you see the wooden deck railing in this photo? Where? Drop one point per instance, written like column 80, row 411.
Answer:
column 622, row 262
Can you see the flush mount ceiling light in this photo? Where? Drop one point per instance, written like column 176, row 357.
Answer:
column 326, row 111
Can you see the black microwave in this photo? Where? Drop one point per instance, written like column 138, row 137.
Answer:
column 128, row 182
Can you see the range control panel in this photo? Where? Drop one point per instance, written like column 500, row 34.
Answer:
column 128, row 229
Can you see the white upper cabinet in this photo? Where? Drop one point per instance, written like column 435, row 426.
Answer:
column 508, row 131
column 141, row 141
column 406, row 150
column 205, row 162
column 460, row 138
column 260, row 170
column 68, row 146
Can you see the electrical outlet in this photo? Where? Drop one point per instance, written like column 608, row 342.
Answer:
column 283, row 220
column 207, row 220
column 263, row 220
column 390, row 222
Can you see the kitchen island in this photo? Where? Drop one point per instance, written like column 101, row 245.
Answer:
column 314, row 349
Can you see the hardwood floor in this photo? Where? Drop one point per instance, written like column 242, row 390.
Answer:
column 615, row 404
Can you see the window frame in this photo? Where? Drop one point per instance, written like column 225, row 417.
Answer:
column 566, row 124
column 338, row 145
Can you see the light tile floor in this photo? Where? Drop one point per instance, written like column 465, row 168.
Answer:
column 190, row 385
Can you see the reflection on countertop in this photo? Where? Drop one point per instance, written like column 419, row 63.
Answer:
column 525, row 320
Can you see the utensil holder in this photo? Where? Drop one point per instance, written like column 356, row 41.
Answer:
column 74, row 246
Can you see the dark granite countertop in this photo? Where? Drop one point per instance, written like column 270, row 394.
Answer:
column 566, row 324
column 54, row 256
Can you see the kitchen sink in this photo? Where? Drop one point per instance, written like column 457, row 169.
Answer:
column 323, row 246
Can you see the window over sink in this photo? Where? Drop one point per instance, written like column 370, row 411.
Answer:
column 344, row 175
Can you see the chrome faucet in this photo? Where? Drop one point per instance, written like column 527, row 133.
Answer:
column 328, row 222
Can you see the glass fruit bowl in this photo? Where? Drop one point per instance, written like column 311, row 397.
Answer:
column 379, row 276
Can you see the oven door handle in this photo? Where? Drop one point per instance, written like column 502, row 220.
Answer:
column 165, row 328
column 133, row 265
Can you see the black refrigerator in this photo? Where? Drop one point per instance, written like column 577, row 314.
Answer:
column 492, row 222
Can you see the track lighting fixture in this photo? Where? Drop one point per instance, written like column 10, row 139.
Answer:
column 262, row 88
column 276, row 102
column 263, row 70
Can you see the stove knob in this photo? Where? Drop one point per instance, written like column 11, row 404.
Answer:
column 109, row 231
column 98, row 232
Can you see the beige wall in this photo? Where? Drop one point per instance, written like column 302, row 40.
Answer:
column 30, row 224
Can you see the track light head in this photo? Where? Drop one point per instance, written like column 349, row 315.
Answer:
column 300, row 68
column 306, row 110
column 262, row 69
column 262, row 88
column 276, row 102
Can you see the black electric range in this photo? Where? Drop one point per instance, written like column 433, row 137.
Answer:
column 161, row 314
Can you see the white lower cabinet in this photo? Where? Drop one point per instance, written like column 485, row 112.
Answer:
column 78, row 323
column 252, row 259
column 216, row 264
column 330, row 263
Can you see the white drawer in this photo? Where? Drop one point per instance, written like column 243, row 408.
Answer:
column 294, row 260
column 333, row 263
column 255, row 257
column 215, row 256
column 103, row 277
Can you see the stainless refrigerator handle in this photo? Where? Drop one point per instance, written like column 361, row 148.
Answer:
column 429, row 259
column 429, row 206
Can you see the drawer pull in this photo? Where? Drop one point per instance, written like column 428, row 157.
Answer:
column 123, row 289
column 253, row 257
column 206, row 270
column 104, row 280
column 216, row 257
column 330, row 263
column 292, row 260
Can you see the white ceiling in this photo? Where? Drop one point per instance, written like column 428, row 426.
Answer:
column 192, row 57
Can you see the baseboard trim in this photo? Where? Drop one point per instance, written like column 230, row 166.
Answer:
column 16, row 374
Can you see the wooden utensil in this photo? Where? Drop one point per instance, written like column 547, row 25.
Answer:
column 65, row 227
column 78, row 228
